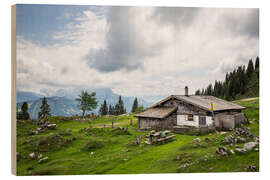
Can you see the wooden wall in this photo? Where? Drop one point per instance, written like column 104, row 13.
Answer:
column 157, row 124
column 184, row 108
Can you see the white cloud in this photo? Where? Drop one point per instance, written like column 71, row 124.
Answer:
column 157, row 58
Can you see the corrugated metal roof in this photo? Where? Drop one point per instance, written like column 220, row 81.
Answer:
column 157, row 112
column 203, row 102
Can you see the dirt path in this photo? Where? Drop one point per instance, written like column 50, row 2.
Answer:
column 101, row 125
column 249, row 99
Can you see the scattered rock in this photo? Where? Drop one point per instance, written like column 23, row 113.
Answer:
column 51, row 134
column 223, row 132
column 32, row 155
column 232, row 152
column 240, row 135
column 39, row 129
column 69, row 140
column 40, row 156
column 256, row 149
column 185, row 165
column 256, row 139
column 51, row 126
column 92, row 153
column 207, row 139
column 242, row 140
column 43, row 159
column 197, row 140
column 68, row 130
column 250, row 145
column 221, row 150
column 251, row 168
column 240, row 150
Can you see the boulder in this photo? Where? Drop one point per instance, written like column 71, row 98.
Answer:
column 251, row 168
column 40, row 156
column 250, row 145
column 221, row 150
column 32, row 155
column 197, row 140
column 256, row 139
column 207, row 139
column 240, row 150
column 185, row 165
column 68, row 130
column 51, row 126
column 242, row 139
column 43, row 159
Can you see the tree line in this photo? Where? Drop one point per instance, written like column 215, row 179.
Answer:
column 113, row 110
column 119, row 108
column 236, row 84
column 86, row 102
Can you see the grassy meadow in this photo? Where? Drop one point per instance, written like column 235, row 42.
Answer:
column 72, row 149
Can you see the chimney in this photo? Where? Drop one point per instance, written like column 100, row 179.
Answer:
column 186, row 91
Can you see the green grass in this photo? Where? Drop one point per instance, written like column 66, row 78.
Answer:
column 114, row 151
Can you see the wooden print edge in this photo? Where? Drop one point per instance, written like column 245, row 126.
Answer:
column 13, row 91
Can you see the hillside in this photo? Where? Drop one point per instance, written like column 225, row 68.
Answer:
column 73, row 148
column 240, row 83
column 65, row 105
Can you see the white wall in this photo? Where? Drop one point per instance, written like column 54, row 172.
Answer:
column 181, row 120
column 209, row 120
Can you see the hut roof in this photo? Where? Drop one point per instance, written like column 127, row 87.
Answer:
column 203, row 102
column 157, row 112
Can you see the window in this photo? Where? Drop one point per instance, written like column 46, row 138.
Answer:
column 190, row 117
column 202, row 120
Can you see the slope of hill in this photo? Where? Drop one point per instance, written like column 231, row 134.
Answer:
column 22, row 96
column 111, row 151
column 67, row 106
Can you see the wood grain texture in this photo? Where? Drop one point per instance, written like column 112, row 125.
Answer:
column 13, row 90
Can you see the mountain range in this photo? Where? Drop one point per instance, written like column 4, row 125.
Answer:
column 63, row 103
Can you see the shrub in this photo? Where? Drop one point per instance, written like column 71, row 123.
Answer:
column 96, row 132
column 49, row 143
column 93, row 143
column 120, row 131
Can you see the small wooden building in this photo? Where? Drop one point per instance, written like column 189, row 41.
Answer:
column 178, row 111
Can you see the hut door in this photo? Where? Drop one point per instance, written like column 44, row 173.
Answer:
column 202, row 120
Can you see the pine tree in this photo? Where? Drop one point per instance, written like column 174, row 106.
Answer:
column 119, row 107
column 134, row 106
column 110, row 112
column 257, row 63
column 100, row 111
column 257, row 67
column 44, row 109
column 105, row 108
column 209, row 90
column 197, row 92
column 250, row 68
column 24, row 109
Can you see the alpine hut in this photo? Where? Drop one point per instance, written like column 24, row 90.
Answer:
column 181, row 112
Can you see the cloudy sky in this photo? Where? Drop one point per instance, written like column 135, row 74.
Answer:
column 135, row 51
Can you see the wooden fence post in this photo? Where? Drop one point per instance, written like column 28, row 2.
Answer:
column 112, row 122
